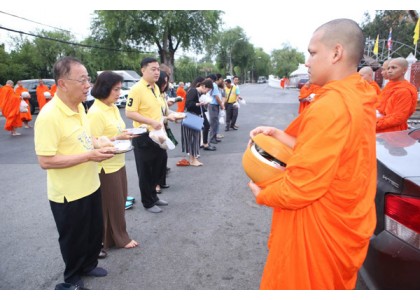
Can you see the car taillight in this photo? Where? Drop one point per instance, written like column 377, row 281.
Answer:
column 402, row 218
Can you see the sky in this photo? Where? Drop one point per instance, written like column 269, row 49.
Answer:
column 268, row 24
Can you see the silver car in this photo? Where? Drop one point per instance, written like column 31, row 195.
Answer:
column 393, row 259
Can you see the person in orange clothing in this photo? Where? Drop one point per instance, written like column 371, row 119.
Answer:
column 40, row 90
column 367, row 74
column 323, row 202
column 26, row 117
column 306, row 95
column 397, row 102
column 20, row 88
column 53, row 89
column 10, row 108
column 180, row 91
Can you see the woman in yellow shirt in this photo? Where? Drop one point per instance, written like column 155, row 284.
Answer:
column 105, row 120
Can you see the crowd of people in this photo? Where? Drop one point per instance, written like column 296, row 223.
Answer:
column 323, row 202
column 71, row 139
column 15, row 104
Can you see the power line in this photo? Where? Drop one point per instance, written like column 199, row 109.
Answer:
column 71, row 43
column 33, row 21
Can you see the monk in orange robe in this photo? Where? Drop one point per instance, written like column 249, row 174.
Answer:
column 10, row 108
column 323, row 202
column 398, row 100
column 40, row 90
column 20, row 88
column 26, row 117
column 180, row 91
column 53, row 89
column 367, row 74
column 306, row 95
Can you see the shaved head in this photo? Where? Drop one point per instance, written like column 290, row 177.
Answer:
column 366, row 73
column 401, row 61
column 347, row 33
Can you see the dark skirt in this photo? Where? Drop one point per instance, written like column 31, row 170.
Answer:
column 190, row 140
column 114, row 194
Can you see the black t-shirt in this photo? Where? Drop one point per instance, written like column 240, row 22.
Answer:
column 193, row 97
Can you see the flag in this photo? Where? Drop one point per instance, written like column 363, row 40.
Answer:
column 390, row 40
column 376, row 47
column 416, row 32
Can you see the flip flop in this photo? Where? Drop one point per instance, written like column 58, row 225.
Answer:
column 183, row 163
column 131, row 199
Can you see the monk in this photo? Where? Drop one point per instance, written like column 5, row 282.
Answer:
column 20, row 88
column 26, row 117
column 40, row 90
column 323, row 202
column 180, row 91
column 53, row 89
column 398, row 101
column 306, row 95
column 10, row 108
column 367, row 74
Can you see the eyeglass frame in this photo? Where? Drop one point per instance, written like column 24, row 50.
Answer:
column 88, row 79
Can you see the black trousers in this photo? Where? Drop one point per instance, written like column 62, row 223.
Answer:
column 150, row 159
column 231, row 115
column 80, row 228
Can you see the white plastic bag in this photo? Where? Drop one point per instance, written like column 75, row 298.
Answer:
column 242, row 101
column 161, row 138
column 222, row 117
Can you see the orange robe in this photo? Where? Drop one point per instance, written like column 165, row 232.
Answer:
column 40, row 90
column 24, row 116
column 304, row 95
column 397, row 102
column 53, row 90
column 11, row 108
column 181, row 93
column 376, row 86
column 323, row 203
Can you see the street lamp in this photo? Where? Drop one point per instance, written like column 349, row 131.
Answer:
column 230, row 55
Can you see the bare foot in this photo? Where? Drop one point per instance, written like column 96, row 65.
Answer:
column 131, row 244
column 196, row 163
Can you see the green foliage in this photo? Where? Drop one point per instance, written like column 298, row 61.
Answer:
column 164, row 30
column 286, row 60
column 402, row 33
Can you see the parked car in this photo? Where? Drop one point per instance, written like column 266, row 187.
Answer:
column 31, row 85
column 302, row 82
column 393, row 258
column 122, row 100
column 262, row 79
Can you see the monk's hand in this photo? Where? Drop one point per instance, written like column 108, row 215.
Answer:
column 262, row 129
column 255, row 189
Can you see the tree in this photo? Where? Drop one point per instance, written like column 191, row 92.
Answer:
column 402, row 23
column 286, row 60
column 166, row 30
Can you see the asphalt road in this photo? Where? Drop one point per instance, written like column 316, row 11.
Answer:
column 212, row 236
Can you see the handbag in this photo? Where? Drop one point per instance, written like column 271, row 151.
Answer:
column 193, row 121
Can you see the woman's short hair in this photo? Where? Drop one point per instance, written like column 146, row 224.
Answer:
column 208, row 83
column 163, row 79
column 104, row 84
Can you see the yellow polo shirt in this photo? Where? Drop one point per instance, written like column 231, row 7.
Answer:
column 141, row 99
column 233, row 96
column 60, row 131
column 106, row 121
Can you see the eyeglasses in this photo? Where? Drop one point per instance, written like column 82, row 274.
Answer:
column 82, row 81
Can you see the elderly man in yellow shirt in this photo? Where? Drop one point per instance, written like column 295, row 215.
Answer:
column 65, row 148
